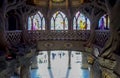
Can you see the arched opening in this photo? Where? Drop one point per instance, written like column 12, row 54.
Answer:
column 104, row 22
column 59, row 21
column 12, row 22
column 36, row 22
column 81, row 22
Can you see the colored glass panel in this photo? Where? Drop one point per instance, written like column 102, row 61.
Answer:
column 29, row 23
column 37, row 22
column 80, row 22
column 104, row 22
column 59, row 21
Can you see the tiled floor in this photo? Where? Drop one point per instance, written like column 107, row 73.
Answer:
column 59, row 66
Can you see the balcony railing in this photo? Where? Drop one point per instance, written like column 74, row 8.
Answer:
column 14, row 37
column 58, row 35
column 101, row 37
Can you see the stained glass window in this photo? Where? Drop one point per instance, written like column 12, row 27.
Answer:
column 36, row 22
column 104, row 22
column 59, row 21
column 29, row 23
column 81, row 22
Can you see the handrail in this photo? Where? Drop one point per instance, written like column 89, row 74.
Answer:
column 101, row 36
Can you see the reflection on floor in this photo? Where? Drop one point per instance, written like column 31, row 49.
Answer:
column 59, row 66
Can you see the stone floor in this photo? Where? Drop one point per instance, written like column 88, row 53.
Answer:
column 59, row 66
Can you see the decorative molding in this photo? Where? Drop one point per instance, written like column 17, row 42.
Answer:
column 107, row 63
column 60, row 45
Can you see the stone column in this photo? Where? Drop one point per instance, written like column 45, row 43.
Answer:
column 49, row 62
column 25, row 71
column 84, row 61
column 91, row 71
column 69, row 59
column 34, row 64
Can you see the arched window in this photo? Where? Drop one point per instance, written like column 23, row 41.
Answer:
column 81, row 22
column 104, row 22
column 36, row 22
column 59, row 21
column 13, row 22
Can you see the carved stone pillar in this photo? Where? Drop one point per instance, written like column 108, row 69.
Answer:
column 91, row 71
column 69, row 59
column 25, row 71
column 49, row 60
column 34, row 64
column 48, row 21
column 84, row 61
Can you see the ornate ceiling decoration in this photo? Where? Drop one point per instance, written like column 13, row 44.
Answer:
column 58, row 1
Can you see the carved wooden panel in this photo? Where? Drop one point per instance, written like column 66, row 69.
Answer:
column 60, row 45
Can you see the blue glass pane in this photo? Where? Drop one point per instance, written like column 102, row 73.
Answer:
column 29, row 23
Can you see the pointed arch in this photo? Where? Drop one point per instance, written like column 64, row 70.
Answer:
column 81, row 22
column 104, row 22
column 36, row 22
column 59, row 21
column 13, row 22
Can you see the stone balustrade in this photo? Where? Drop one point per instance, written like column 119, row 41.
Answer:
column 101, row 36
column 14, row 37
